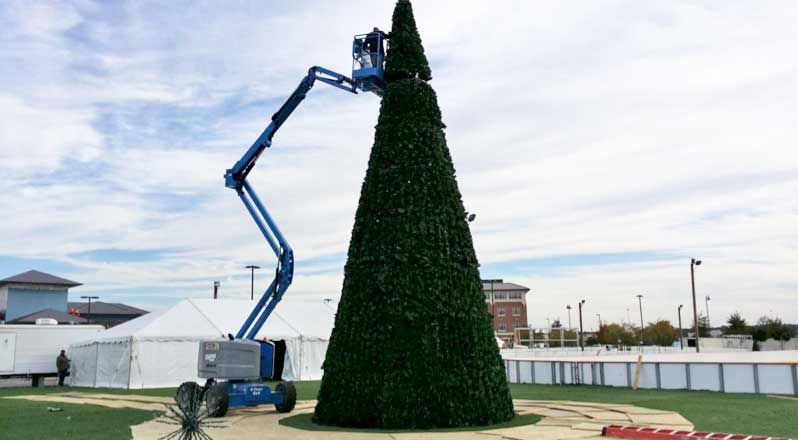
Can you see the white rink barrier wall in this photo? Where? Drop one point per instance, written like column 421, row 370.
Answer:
column 589, row 351
column 721, row 376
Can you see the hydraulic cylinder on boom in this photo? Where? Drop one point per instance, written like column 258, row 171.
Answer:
column 235, row 367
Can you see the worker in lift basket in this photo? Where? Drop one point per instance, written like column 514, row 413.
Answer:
column 373, row 48
column 62, row 364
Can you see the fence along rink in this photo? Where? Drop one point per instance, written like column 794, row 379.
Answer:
column 764, row 377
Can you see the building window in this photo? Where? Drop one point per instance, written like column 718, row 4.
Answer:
column 500, row 311
column 502, row 327
column 519, row 325
column 516, row 311
column 497, row 295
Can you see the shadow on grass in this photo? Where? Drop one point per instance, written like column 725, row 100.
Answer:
column 305, row 422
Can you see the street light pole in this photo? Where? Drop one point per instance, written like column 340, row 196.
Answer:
column 642, row 326
column 599, row 318
column 569, row 315
column 88, row 314
column 252, row 282
column 581, row 336
column 681, row 339
column 706, row 299
column 693, row 263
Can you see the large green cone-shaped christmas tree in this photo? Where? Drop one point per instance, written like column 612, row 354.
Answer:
column 413, row 345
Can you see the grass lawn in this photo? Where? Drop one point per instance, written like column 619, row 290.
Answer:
column 744, row 413
column 24, row 419
column 709, row 411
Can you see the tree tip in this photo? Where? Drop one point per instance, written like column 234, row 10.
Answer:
column 405, row 58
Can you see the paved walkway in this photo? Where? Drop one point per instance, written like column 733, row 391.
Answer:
column 561, row 420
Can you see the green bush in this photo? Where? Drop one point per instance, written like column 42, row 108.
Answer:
column 413, row 345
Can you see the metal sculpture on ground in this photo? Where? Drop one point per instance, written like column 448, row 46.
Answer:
column 190, row 415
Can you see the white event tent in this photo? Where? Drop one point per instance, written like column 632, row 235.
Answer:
column 160, row 349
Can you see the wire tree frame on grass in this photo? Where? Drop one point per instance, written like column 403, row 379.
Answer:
column 190, row 416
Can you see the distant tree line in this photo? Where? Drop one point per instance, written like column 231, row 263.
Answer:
column 663, row 333
column 767, row 327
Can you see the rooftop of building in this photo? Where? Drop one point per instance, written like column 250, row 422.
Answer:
column 35, row 277
column 61, row 317
column 105, row 308
column 499, row 285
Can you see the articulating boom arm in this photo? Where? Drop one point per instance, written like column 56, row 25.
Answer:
column 236, row 178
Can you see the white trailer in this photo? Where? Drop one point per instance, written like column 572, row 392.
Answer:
column 30, row 350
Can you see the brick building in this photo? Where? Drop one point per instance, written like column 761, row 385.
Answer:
column 506, row 302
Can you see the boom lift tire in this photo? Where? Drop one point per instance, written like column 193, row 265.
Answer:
column 289, row 397
column 187, row 393
column 217, row 400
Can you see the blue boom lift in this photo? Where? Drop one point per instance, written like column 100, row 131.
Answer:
column 235, row 368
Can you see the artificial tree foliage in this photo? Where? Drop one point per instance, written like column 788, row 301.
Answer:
column 406, row 54
column 413, row 344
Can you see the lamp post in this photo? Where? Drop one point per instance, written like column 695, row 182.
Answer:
column 681, row 340
column 252, row 282
column 569, row 315
column 642, row 326
column 216, row 285
column 581, row 336
column 88, row 314
column 706, row 299
column 599, row 319
column 693, row 263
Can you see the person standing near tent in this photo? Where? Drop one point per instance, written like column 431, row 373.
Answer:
column 62, row 364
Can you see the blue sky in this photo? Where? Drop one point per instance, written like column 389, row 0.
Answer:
column 601, row 146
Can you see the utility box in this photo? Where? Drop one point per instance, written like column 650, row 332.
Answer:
column 230, row 360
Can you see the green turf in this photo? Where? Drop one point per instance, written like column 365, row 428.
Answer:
column 738, row 413
column 22, row 419
column 161, row 392
column 25, row 419
column 305, row 422
column 709, row 411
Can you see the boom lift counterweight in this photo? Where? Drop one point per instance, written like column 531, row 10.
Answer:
column 240, row 363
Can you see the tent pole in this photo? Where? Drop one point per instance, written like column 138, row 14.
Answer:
column 96, row 362
column 130, row 361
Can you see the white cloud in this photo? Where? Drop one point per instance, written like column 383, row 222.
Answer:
column 35, row 140
column 611, row 127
